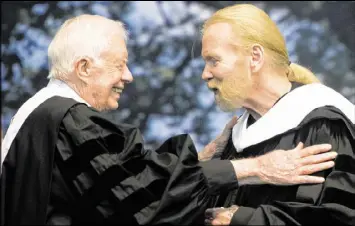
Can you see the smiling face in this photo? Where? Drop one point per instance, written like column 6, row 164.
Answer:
column 227, row 70
column 106, row 78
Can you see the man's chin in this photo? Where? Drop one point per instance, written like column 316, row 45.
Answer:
column 112, row 106
column 228, row 107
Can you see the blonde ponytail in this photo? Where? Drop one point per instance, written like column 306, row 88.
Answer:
column 298, row 73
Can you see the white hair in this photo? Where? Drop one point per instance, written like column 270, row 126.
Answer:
column 81, row 36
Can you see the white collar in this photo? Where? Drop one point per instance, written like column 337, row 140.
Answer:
column 288, row 113
column 64, row 90
column 55, row 87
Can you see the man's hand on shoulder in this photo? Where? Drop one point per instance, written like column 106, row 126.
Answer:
column 216, row 147
column 281, row 167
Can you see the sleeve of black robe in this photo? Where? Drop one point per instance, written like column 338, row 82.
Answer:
column 331, row 203
column 115, row 180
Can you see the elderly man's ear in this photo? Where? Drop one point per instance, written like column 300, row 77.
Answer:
column 257, row 58
column 83, row 68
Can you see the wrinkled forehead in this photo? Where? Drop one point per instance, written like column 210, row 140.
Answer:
column 117, row 50
column 217, row 36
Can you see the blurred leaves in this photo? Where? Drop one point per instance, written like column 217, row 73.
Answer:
column 168, row 96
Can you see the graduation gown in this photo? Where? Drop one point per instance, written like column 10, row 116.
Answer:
column 65, row 163
column 312, row 114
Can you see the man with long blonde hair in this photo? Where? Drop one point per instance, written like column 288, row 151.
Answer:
column 63, row 162
column 248, row 66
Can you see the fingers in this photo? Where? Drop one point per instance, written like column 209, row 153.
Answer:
column 210, row 215
column 208, row 222
column 212, row 212
column 210, row 148
column 313, row 150
column 313, row 159
column 306, row 170
column 212, row 222
column 216, row 216
column 228, row 128
column 298, row 147
column 309, row 180
column 231, row 123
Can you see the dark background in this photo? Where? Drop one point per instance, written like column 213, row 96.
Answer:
column 168, row 96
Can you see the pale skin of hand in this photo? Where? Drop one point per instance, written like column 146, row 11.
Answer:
column 216, row 147
column 220, row 216
column 289, row 167
column 279, row 167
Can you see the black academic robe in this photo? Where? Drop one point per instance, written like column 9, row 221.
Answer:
column 69, row 164
column 329, row 203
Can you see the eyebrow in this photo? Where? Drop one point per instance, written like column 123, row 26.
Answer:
column 211, row 56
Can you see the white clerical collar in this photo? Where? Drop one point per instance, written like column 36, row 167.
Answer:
column 288, row 113
column 64, row 90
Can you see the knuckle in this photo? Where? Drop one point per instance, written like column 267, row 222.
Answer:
column 298, row 164
column 308, row 170
column 293, row 180
column 307, row 161
column 302, row 171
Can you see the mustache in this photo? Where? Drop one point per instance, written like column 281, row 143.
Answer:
column 213, row 85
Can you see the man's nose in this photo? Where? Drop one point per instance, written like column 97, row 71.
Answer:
column 206, row 75
column 127, row 76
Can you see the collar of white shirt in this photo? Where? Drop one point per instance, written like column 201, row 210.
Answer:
column 64, row 90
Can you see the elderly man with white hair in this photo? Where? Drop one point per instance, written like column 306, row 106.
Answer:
column 64, row 162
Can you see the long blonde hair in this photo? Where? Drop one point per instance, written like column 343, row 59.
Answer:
column 253, row 25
